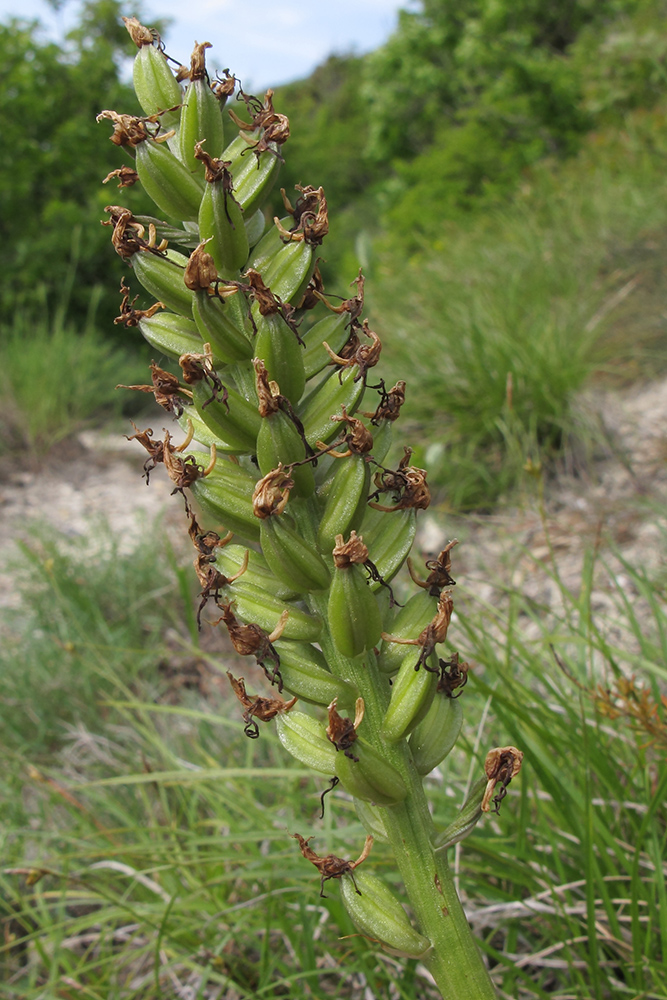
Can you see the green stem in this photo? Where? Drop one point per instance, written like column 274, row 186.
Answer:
column 455, row 961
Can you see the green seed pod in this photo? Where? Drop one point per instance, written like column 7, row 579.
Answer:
column 156, row 86
column 171, row 334
column 201, row 119
column 467, row 819
column 222, row 225
column 325, row 401
column 253, row 604
column 370, row 777
column 333, row 328
column 345, row 503
column 223, row 325
column 409, row 623
column 279, row 441
column 253, row 181
column 276, row 344
column 377, row 913
column 238, row 426
column 254, row 226
column 382, row 438
column 306, row 739
column 411, row 695
column 291, row 558
column 371, row 819
column 389, row 537
column 285, row 267
column 305, row 674
column 226, row 494
column 162, row 276
column 230, row 559
column 354, row 617
column 435, row 735
column 167, row 182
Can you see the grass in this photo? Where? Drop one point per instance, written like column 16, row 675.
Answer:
column 145, row 841
column 507, row 318
column 57, row 380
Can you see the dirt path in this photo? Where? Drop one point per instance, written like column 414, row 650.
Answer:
column 621, row 501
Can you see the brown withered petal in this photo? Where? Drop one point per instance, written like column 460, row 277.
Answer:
column 435, row 632
column 440, row 571
column 165, row 387
column 271, row 493
column 183, row 472
column 128, row 130
column 138, row 33
column 268, row 392
column 365, row 356
column 200, row 270
column 407, row 484
column 453, row 676
column 352, row 551
column 266, row 301
column 274, row 126
column 330, row 866
column 501, row 765
column 357, row 437
column 198, row 61
column 260, row 708
column 224, row 88
column 252, row 640
column 389, row 407
column 155, row 449
column 129, row 316
column 127, row 176
column 342, row 732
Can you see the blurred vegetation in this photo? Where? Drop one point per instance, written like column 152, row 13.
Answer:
column 491, row 154
column 53, row 157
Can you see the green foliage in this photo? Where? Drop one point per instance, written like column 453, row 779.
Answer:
column 52, row 161
column 57, row 379
column 512, row 310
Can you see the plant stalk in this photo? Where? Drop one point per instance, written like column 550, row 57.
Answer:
column 455, row 961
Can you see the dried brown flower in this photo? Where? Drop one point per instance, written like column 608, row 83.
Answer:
column 260, row 708
column 501, row 765
column 330, row 866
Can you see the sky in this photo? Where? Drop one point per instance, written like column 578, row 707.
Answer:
column 264, row 43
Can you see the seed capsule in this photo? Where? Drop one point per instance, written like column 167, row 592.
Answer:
column 354, row 617
column 154, row 84
column 291, row 558
column 201, row 117
column 222, row 225
column 345, row 502
column 222, row 324
column 435, row 735
column 171, row 334
column 370, row 777
column 325, row 401
column 377, row 913
column 407, row 624
column 306, row 739
column 411, row 695
column 226, row 494
column 305, row 674
column 277, row 345
column 278, row 441
column 162, row 276
column 235, row 422
column 167, row 182
column 389, row 538
column 333, row 329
